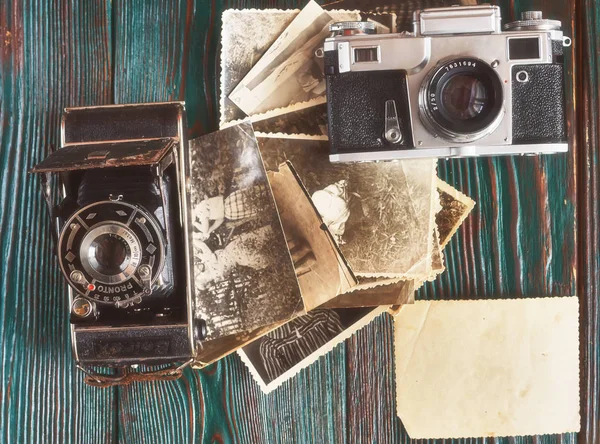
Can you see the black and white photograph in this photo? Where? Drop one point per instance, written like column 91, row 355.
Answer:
column 246, row 35
column 244, row 277
column 382, row 221
column 291, row 70
column 282, row 353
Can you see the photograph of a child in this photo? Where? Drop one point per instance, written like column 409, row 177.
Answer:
column 243, row 274
column 378, row 213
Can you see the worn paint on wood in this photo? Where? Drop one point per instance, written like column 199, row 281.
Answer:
column 519, row 241
column 52, row 54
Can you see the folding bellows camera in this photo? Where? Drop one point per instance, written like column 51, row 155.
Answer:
column 456, row 86
column 121, row 225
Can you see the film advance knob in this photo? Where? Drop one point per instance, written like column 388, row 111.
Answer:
column 531, row 15
column 533, row 21
column 82, row 308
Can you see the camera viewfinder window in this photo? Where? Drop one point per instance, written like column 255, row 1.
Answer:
column 523, row 48
column 362, row 55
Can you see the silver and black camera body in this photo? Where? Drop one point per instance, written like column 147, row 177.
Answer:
column 122, row 236
column 457, row 86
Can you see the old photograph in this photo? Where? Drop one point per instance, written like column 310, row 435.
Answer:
column 306, row 123
column 382, row 222
column 245, row 37
column 247, row 34
column 456, row 206
column 243, row 273
column 373, row 292
column 322, row 271
column 282, row 353
column 291, row 70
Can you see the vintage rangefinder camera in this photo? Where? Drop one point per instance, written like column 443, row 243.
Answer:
column 122, row 238
column 456, row 86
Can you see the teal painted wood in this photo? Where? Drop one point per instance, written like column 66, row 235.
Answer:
column 519, row 241
column 51, row 56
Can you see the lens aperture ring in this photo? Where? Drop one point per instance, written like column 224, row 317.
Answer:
column 102, row 248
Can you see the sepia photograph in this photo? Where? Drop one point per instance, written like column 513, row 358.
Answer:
column 282, row 353
column 382, row 222
column 456, row 206
column 322, row 271
column 245, row 36
column 244, row 277
column 375, row 291
column 291, row 70
column 306, row 123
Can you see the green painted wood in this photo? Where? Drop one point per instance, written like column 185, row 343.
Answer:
column 51, row 56
column 520, row 240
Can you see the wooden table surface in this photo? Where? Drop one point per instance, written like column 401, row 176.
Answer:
column 534, row 232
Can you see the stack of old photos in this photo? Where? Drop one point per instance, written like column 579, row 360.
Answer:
column 293, row 254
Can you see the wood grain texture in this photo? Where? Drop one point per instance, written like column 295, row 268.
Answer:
column 51, row 56
column 587, row 41
column 519, row 242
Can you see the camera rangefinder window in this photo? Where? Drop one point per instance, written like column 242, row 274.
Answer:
column 362, row 55
column 462, row 99
column 524, row 48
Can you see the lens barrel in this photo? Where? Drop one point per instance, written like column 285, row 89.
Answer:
column 111, row 252
column 462, row 100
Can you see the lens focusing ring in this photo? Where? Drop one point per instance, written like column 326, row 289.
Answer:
column 102, row 248
column 437, row 116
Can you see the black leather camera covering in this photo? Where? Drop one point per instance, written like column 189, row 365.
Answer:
column 538, row 105
column 147, row 344
column 122, row 122
column 356, row 108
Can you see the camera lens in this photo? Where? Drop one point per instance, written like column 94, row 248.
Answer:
column 111, row 253
column 462, row 100
column 464, row 97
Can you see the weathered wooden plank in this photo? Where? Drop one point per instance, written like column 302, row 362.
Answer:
column 51, row 55
column 587, row 47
